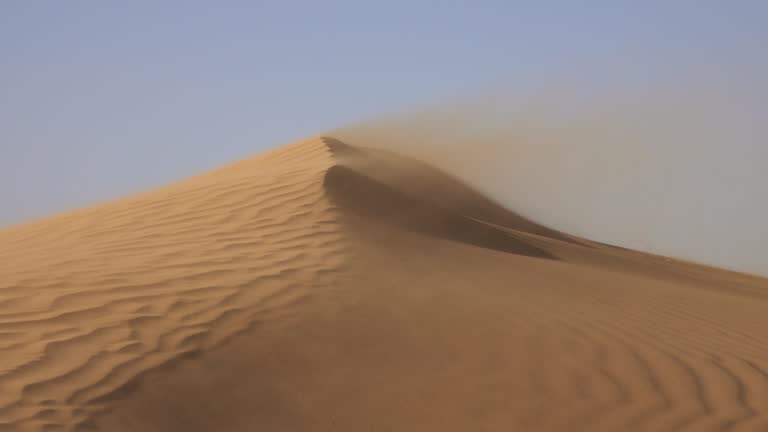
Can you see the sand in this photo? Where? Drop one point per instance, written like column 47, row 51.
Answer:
column 327, row 287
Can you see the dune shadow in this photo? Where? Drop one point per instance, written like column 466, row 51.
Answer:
column 358, row 188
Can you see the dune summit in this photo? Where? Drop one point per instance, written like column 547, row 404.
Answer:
column 328, row 287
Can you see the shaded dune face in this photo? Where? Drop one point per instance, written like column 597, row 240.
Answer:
column 326, row 287
column 366, row 197
column 418, row 182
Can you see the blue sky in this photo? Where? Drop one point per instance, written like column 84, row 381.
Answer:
column 99, row 99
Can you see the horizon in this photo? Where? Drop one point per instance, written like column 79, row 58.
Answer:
column 104, row 101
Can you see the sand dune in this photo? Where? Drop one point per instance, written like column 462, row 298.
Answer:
column 326, row 287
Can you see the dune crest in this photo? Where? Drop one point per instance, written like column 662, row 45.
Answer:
column 328, row 287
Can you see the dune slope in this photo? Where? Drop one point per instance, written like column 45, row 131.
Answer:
column 326, row 287
column 91, row 300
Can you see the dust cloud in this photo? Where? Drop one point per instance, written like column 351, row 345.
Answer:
column 675, row 168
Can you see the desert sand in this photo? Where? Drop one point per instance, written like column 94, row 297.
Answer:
column 327, row 287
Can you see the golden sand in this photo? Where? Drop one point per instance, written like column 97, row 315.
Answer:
column 324, row 287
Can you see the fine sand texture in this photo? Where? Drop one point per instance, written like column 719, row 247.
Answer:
column 327, row 287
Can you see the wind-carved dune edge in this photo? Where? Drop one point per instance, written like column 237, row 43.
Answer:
column 414, row 196
column 327, row 287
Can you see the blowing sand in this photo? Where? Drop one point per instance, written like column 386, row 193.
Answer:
column 324, row 287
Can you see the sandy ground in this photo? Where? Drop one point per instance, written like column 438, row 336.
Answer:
column 323, row 287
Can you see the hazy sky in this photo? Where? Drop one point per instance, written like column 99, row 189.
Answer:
column 103, row 98
column 677, row 167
